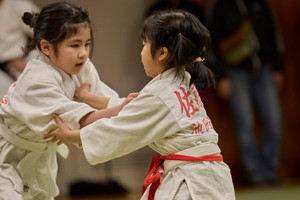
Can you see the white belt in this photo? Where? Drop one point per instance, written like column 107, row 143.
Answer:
column 30, row 145
column 20, row 142
column 27, row 165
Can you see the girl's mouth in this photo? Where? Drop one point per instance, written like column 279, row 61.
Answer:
column 79, row 65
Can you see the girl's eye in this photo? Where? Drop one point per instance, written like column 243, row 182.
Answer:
column 88, row 44
column 74, row 45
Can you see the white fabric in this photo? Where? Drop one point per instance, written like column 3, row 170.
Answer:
column 42, row 89
column 158, row 119
column 5, row 82
column 197, row 151
column 13, row 31
column 204, row 180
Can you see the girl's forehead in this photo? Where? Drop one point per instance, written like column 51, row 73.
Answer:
column 80, row 31
column 81, row 36
column 72, row 29
column 83, row 29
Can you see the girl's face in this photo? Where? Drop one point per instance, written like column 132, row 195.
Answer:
column 73, row 52
column 152, row 65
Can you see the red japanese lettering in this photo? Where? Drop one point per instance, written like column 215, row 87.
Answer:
column 4, row 100
column 197, row 96
column 207, row 123
column 197, row 128
column 187, row 105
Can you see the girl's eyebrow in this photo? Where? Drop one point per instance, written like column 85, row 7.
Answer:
column 78, row 40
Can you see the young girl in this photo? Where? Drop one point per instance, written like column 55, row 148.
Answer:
column 63, row 37
column 168, row 115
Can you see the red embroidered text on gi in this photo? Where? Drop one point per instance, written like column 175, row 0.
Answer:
column 207, row 123
column 187, row 105
column 197, row 96
column 197, row 128
column 4, row 100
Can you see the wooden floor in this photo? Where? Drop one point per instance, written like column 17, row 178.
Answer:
column 287, row 191
column 110, row 197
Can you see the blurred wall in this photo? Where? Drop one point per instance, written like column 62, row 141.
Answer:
column 288, row 14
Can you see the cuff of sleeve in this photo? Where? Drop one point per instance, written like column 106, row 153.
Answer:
column 113, row 101
column 72, row 118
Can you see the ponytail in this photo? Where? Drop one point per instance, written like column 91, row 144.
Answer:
column 202, row 77
column 29, row 19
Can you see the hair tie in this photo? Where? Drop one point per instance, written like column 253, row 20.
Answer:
column 199, row 59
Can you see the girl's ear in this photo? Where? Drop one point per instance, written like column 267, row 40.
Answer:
column 46, row 47
column 162, row 53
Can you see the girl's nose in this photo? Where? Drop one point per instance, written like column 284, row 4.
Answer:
column 84, row 53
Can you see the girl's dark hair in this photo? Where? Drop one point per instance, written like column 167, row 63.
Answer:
column 56, row 22
column 186, row 39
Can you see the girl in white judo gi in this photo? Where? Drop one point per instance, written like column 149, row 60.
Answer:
column 28, row 165
column 168, row 115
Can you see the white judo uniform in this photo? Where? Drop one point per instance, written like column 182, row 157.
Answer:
column 169, row 116
column 28, row 164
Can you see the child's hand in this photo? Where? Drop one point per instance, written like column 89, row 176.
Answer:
column 129, row 98
column 84, row 95
column 82, row 91
column 63, row 134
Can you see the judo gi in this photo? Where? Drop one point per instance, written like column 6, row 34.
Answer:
column 169, row 116
column 28, row 164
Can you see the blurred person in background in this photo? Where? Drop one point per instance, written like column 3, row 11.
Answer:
column 248, row 57
column 14, row 35
column 197, row 7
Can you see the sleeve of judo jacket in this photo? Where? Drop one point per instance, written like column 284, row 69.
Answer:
column 144, row 120
column 34, row 103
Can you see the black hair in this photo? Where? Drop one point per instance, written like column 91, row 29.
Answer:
column 186, row 39
column 56, row 22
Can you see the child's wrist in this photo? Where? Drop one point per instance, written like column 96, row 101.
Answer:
column 84, row 97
